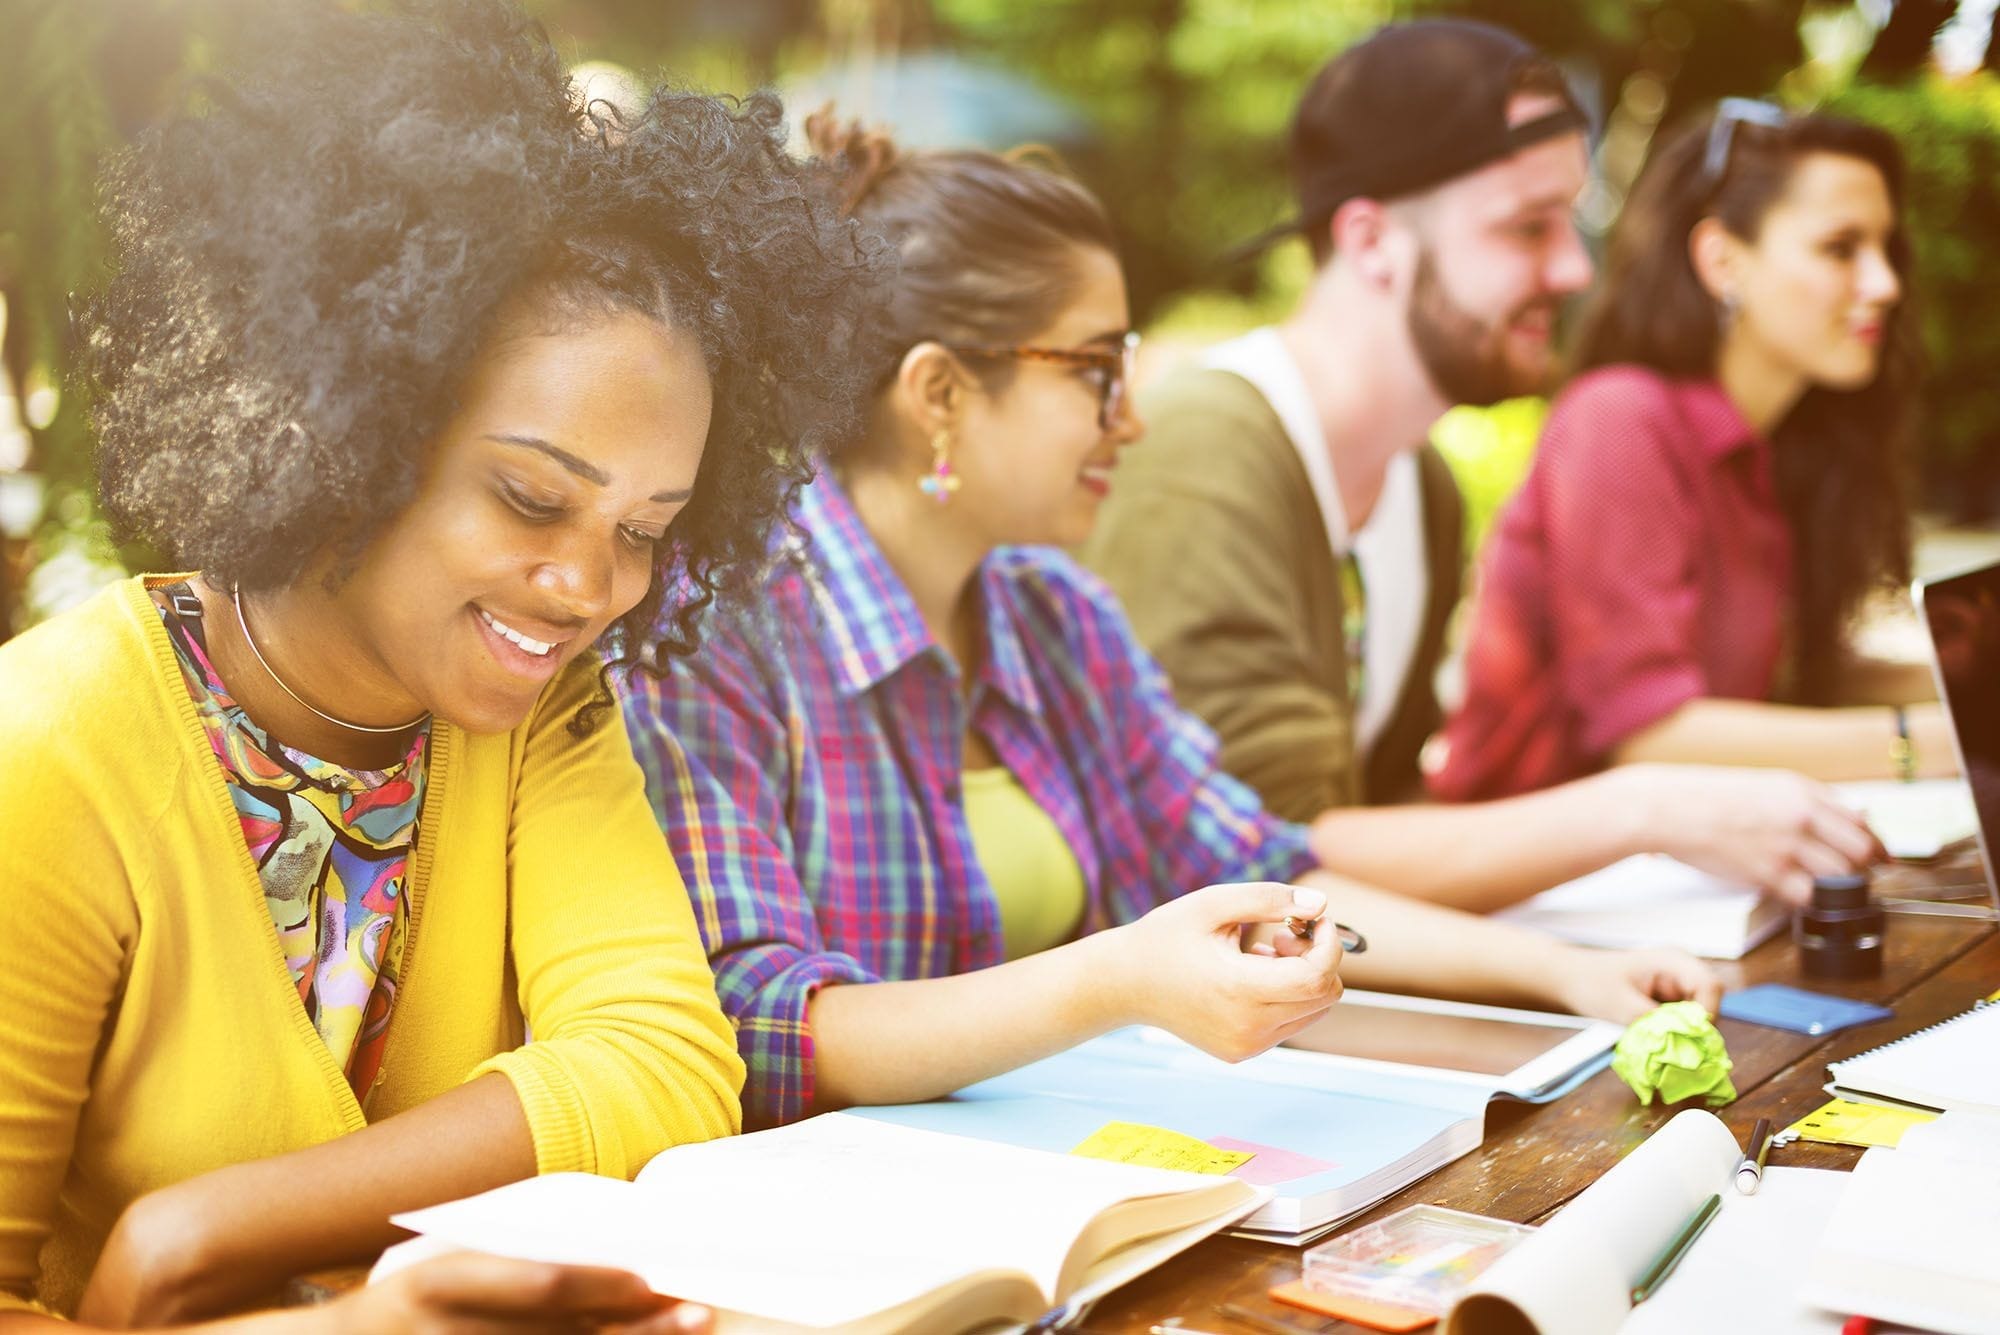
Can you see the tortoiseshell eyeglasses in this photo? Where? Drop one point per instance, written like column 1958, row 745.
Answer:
column 1113, row 365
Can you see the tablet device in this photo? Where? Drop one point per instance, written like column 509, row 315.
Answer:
column 1528, row 1055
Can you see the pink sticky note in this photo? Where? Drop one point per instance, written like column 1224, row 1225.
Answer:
column 1272, row 1165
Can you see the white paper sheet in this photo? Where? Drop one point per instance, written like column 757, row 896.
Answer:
column 1744, row 1272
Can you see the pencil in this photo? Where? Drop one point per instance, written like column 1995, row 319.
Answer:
column 1663, row 1264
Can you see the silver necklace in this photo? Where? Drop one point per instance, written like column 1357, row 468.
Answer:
column 236, row 597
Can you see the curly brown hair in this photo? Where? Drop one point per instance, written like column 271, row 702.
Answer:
column 313, row 251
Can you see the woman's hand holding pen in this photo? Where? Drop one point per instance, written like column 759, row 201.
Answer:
column 1186, row 969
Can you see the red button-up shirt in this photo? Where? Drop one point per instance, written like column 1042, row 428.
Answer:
column 1644, row 563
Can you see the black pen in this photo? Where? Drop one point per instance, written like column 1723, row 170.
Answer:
column 1663, row 1264
column 1750, row 1173
column 1351, row 941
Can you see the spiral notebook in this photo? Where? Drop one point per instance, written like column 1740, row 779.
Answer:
column 1949, row 1066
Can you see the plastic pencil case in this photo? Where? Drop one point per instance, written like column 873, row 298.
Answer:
column 1422, row 1257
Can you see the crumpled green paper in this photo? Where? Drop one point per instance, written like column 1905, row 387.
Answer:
column 1677, row 1053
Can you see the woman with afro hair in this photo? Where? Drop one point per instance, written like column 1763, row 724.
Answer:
column 429, row 375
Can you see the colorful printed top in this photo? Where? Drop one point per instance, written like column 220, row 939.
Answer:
column 332, row 846
column 807, row 768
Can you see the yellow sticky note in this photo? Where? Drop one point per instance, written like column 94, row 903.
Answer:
column 1843, row 1123
column 1157, row 1147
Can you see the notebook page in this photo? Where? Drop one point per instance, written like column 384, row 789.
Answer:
column 1749, row 1262
column 1955, row 1062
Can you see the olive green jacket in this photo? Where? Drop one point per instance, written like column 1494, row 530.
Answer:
column 1214, row 543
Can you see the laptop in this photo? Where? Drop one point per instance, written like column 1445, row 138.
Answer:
column 1962, row 613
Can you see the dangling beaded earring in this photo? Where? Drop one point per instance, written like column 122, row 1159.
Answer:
column 941, row 481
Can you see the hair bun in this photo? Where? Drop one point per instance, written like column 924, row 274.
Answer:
column 858, row 158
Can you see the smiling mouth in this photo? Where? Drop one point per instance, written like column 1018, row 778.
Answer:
column 525, row 643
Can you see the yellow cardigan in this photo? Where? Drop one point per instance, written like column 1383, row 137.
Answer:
column 150, row 1030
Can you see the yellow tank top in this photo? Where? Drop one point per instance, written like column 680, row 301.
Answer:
column 1033, row 870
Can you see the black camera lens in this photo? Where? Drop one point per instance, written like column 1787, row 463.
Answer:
column 1839, row 934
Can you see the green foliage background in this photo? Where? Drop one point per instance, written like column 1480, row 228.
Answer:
column 1189, row 101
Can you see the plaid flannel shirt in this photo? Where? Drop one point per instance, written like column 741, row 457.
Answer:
column 806, row 764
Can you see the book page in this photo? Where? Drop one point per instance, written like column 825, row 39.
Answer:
column 820, row 1223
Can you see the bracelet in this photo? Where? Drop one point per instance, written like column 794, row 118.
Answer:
column 1903, row 752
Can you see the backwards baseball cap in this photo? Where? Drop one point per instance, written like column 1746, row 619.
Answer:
column 1410, row 107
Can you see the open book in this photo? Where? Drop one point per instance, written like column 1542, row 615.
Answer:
column 1331, row 1134
column 842, row 1223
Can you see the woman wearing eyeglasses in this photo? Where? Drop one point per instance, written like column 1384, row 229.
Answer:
column 1718, row 492
column 938, row 811
column 427, row 377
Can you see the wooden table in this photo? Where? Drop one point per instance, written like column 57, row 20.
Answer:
column 1535, row 1158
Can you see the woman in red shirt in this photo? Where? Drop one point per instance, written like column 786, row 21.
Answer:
column 1717, row 491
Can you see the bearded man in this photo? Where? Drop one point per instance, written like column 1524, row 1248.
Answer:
column 1286, row 482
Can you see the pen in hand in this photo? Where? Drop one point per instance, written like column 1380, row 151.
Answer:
column 1351, row 941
